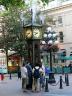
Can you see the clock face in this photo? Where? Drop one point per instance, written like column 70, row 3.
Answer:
column 36, row 33
column 28, row 33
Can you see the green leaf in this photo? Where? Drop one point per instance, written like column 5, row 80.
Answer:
column 8, row 3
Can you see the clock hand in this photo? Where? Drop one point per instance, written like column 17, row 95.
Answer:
column 28, row 34
column 35, row 33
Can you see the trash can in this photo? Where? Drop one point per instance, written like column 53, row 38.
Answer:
column 1, row 76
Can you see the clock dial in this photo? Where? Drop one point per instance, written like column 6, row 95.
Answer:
column 28, row 34
column 36, row 33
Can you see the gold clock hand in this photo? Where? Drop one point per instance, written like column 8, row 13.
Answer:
column 27, row 34
column 35, row 33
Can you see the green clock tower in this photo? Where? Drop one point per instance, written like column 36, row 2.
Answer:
column 33, row 35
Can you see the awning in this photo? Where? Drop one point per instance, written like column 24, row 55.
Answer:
column 10, row 52
column 65, row 58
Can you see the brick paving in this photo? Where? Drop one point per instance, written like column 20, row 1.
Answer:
column 13, row 88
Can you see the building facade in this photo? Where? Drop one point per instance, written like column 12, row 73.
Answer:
column 62, row 24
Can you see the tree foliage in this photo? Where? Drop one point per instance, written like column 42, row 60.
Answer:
column 18, row 3
column 8, row 3
column 45, row 1
column 12, row 31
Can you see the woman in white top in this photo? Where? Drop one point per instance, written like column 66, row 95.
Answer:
column 24, row 75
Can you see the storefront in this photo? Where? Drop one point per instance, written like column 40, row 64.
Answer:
column 13, row 63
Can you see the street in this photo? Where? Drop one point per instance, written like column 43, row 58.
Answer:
column 13, row 88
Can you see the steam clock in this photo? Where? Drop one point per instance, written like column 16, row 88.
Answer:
column 33, row 35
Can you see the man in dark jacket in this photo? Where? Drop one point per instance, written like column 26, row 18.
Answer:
column 29, row 69
column 19, row 72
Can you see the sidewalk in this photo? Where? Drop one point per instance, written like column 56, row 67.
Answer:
column 13, row 88
column 66, row 91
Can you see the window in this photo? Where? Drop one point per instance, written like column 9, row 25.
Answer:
column 59, row 19
column 70, row 53
column 61, row 37
column 63, row 54
column 54, row 23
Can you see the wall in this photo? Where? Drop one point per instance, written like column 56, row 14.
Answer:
column 66, row 27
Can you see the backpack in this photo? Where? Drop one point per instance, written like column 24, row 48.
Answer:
column 36, row 73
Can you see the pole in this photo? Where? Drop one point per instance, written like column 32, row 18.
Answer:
column 51, row 60
column 46, row 86
column 65, row 77
column 10, row 76
column 61, row 86
column 33, row 44
column 67, row 80
column 33, row 54
column 51, row 74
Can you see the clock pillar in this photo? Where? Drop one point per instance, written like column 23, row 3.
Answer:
column 29, row 47
column 33, row 35
column 36, row 51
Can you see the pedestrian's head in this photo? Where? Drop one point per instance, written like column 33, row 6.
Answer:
column 40, row 64
column 23, row 64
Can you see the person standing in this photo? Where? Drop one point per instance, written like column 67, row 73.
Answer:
column 42, row 76
column 29, row 69
column 43, row 73
column 24, row 75
column 36, row 78
column 19, row 72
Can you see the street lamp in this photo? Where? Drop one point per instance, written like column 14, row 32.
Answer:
column 50, row 40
